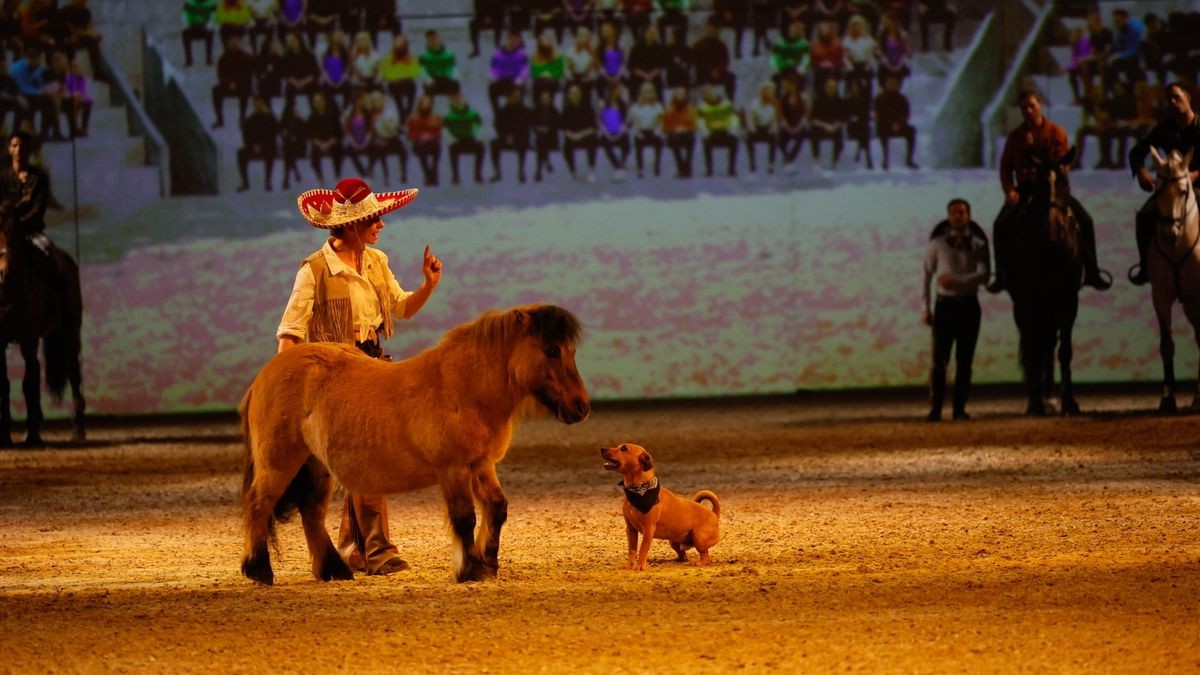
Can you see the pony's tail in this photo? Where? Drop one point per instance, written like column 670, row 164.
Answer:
column 248, row 461
column 710, row 497
column 57, row 354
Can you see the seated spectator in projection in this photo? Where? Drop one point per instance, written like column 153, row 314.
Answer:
column 1127, row 118
column 264, row 15
column 10, row 97
column 762, row 125
column 861, row 49
column 30, row 77
column 718, row 128
column 1181, row 57
column 291, row 18
column 268, row 69
column 545, row 133
column 648, row 62
column 1124, row 61
column 833, row 13
column 364, row 63
column 794, row 110
column 513, row 121
column 672, row 15
column 791, row 56
column 579, row 14
column 828, row 56
column 732, row 14
column 893, row 51
column 582, row 64
column 378, row 16
column 321, row 17
column 578, row 126
column 636, row 15
column 335, row 66
column 260, row 133
column 487, row 15
column 293, row 142
column 399, row 71
column 791, row 11
column 679, row 61
column 10, row 27
column 299, row 69
column 547, row 68
column 74, row 101
column 614, row 131
column 609, row 11
column 518, row 15
column 1083, row 66
column 1156, row 46
column 425, row 136
column 325, row 135
column 764, row 14
column 35, row 18
column 828, row 121
column 385, row 138
column 235, row 78
column 611, row 60
column 937, row 11
column 892, row 121
column 439, row 66
column 197, row 15
column 356, row 132
column 547, row 16
column 679, row 127
column 233, row 17
column 645, row 120
column 463, row 124
column 858, row 120
column 710, row 61
column 509, row 69
column 79, row 33
column 1096, row 120
column 1101, row 39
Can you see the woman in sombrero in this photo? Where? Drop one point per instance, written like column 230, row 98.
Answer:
column 345, row 292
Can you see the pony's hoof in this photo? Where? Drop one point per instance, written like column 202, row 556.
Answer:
column 259, row 571
column 34, row 442
column 1167, row 405
column 1070, row 407
column 476, row 570
column 333, row 568
column 1035, row 409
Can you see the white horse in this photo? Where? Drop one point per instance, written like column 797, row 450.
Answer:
column 1174, row 261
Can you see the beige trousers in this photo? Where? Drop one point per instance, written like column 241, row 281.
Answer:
column 370, row 542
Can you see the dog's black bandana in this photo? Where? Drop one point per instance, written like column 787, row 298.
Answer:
column 643, row 496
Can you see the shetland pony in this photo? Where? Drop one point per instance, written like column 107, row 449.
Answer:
column 40, row 306
column 1174, row 261
column 322, row 411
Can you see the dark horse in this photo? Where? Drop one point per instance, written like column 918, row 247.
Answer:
column 1045, row 281
column 40, row 302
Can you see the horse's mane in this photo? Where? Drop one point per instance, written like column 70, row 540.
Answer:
column 496, row 328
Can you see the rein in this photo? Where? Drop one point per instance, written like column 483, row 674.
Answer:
column 1177, row 265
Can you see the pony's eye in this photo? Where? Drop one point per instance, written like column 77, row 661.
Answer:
column 552, row 353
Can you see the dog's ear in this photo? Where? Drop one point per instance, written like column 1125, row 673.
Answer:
column 646, row 461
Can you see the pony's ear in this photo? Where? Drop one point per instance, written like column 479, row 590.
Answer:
column 1069, row 158
column 646, row 461
column 1158, row 158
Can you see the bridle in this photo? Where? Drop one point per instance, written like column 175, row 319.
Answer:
column 1173, row 220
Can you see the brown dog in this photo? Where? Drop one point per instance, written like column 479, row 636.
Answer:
column 658, row 513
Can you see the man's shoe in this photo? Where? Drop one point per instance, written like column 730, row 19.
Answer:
column 961, row 415
column 391, row 566
column 1139, row 277
column 1100, row 280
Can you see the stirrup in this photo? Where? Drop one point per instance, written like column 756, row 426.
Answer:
column 1137, row 275
column 1102, row 281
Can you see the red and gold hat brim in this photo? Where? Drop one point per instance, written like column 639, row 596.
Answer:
column 324, row 208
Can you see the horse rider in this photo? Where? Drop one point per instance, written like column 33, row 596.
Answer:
column 1180, row 131
column 24, row 194
column 345, row 292
column 1037, row 136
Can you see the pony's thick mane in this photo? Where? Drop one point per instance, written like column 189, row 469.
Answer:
column 550, row 323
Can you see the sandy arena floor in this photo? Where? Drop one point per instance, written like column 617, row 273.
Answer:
column 854, row 538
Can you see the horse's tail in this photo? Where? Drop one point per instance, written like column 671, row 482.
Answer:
column 63, row 344
column 298, row 491
column 248, row 458
column 710, row 497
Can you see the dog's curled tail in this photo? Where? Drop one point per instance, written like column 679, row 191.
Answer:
column 710, row 497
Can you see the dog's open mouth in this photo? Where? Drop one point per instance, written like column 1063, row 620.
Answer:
column 611, row 466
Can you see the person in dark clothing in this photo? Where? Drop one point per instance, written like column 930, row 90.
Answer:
column 545, row 133
column 957, row 258
column 260, row 131
column 380, row 15
column 25, row 193
column 732, row 14
column 1180, row 131
column 679, row 61
column 488, row 15
column 933, row 11
column 324, row 130
column 828, row 121
column 268, row 66
column 293, row 142
column 647, row 62
column 298, row 68
column 578, row 125
column 78, row 32
column 763, row 15
column 235, row 77
column 547, row 16
column 891, row 121
column 512, row 133
column 710, row 60
column 858, row 122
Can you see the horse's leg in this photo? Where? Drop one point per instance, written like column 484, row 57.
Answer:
column 1030, row 353
column 31, row 388
column 495, row 512
column 1065, row 353
column 1166, row 348
column 5, row 412
column 265, row 483
column 458, row 492
column 1191, row 310
column 327, row 564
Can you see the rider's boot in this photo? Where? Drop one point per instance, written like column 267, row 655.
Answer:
column 1092, row 275
column 1139, row 274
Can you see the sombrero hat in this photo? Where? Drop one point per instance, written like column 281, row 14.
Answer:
column 349, row 204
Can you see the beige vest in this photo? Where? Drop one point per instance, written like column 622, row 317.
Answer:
column 332, row 317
